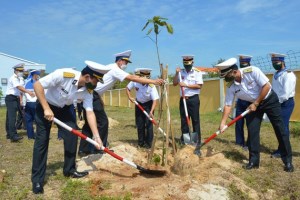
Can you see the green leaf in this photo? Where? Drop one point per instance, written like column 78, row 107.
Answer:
column 170, row 28
column 156, row 18
column 146, row 25
column 149, row 31
column 156, row 29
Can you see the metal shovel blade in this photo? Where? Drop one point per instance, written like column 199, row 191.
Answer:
column 186, row 138
column 194, row 137
column 154, row 172
column 190, row 138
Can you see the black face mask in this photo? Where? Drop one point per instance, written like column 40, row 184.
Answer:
column 229, row 78
column 89, row 86
column 188, row 67
column 277, row 65
column 242, row 65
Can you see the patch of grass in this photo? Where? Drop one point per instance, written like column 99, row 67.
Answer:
column 76, row 189
column 16, row 159
column 294, row 129
column 235, row 193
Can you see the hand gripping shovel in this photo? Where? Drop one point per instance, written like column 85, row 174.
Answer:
column 197, row 149
column 151, row 119
column 188, row 138
column 132, row 164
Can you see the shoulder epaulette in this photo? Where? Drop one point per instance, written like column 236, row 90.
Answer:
column 247, row 70
column 69, row 75
column 196, row 69
column 229, row 84
column 151, row 85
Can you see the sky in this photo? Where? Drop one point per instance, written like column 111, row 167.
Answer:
column 65, row 33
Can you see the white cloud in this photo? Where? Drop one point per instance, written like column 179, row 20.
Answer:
column 249, row 6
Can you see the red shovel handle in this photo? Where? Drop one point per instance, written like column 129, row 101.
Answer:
column 225, row 127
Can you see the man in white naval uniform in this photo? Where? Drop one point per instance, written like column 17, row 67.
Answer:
column 192, row 82
column 284, row 85
column 63, row 87
column 252, row 85
column 115, row 74
column 146, row 96
column 12, row 101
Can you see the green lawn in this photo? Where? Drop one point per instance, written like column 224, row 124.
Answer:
column 16, row 158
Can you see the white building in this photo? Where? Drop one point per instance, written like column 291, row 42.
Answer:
column 6, row 69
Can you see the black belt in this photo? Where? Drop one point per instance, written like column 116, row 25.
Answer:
column 11, row 95
column 187, row 97
column 270, row 94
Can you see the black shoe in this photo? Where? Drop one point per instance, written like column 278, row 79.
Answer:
column 76, row 174
column 245, row 148
column 16, row 138
column 37, row 188
column 146, row 146
column 197, row 150
column 276, row 154
column 289, row 167
column 83, row 153
column 250, row 166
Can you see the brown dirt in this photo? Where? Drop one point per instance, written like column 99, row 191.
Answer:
column 188, row 176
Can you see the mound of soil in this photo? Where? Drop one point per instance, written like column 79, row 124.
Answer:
column 188, row 177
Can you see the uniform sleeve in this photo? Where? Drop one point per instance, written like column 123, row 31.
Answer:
column 229, row 98
column 154, row 94
column 289, row 86
column 16, row 82
column 52, row 79
column 199, row 79
column 88, row 102
column 130, row 85
column 259, row 77
column 119, row 74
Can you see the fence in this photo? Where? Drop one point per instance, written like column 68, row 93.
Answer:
column 211, row 96
column 292, row 61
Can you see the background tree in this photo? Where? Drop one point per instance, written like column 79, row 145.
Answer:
column 1, row 95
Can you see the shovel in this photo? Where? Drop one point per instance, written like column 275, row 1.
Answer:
column 150, row 118
column 197, row 149
column 132, row 164
column 188, row 138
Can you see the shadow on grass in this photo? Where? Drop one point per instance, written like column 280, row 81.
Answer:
column 52, row 168
column 235, row 155
column 130, row 126
column 263, row 148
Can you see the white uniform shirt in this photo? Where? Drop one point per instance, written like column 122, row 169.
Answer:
column 284, row 86
column 252, row 81
column 144, row 93
column 63, row 91
column 190, row 78
column 13, row 82
column 110, row 78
